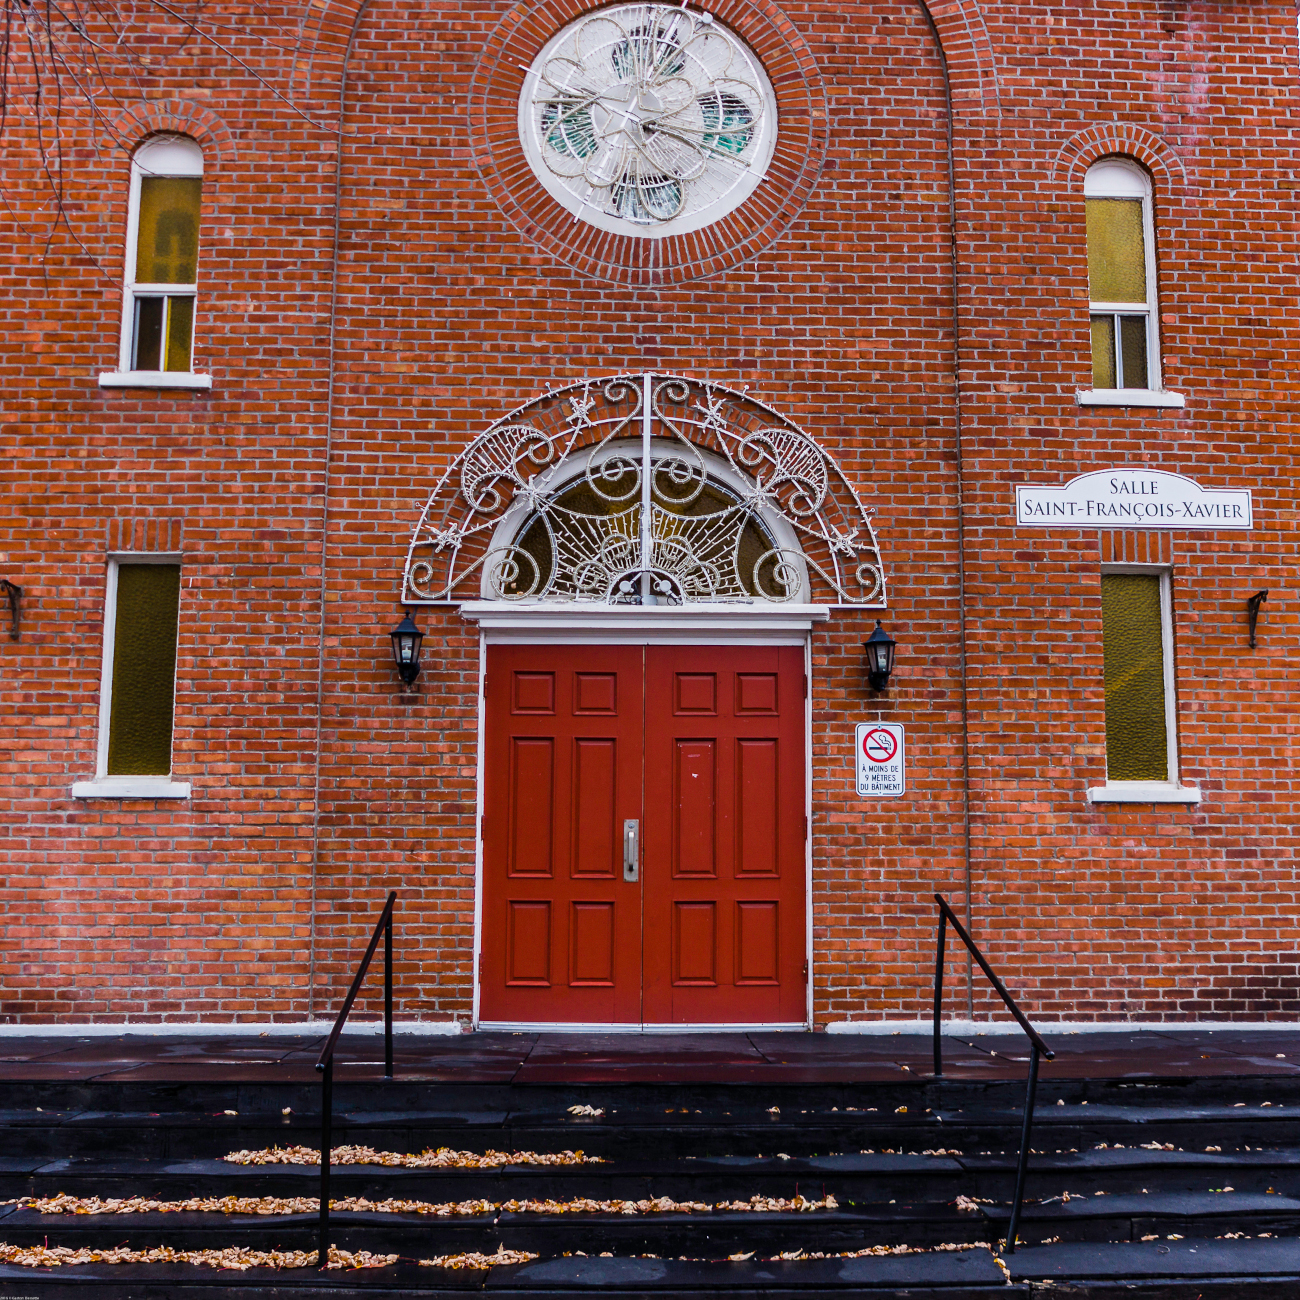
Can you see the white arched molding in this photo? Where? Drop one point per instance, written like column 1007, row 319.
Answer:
column 639, row 490
column 156, row 349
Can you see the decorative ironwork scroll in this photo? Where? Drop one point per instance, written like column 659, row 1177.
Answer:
column 644, row 489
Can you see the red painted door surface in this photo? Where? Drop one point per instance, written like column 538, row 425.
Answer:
column 704, row 747
column 561, row 927
column 724, row 845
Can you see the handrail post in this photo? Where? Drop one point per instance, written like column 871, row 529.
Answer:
column 388, row 996
column 1023, row 1164
column 326, row 1139
column 938, row 995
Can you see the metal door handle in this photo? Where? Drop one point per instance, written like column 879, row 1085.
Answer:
column 631, row 849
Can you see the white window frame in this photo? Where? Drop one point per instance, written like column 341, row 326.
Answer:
column 1117, row 178
column 1170, row 790
column 164, row 155
column 124, row 787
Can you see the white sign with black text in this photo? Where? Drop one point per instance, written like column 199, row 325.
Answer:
column 1132, row 498
column 879, row 751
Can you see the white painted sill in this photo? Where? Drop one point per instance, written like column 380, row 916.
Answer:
column 1130, row 397
column 131, row 787
column 1144, row 792
column 153, row 379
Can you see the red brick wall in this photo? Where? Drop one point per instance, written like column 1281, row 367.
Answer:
column 319, row 783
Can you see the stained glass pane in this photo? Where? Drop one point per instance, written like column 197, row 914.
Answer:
column 1103, row 352
column 167, row 246
column 1117, row 264
column 1136, row 741
column 180, row 330
column 1133, row 350
column 144, row 670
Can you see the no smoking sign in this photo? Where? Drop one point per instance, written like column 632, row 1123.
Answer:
column 878, row 759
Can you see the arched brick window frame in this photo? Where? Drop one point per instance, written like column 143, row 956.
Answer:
column 1139, row 148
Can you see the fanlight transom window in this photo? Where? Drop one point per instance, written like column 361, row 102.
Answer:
column 645, row 489
column 585, row 542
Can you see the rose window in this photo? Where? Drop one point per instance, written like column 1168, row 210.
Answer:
column 648, row 119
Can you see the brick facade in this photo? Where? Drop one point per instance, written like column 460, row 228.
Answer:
column 366, row 313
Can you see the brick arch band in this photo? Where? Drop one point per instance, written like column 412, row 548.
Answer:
column 1085, row 147
column 137, row 122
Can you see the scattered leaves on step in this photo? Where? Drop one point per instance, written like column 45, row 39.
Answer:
column 475, row 1259
column 594, row 1112
column 1214, row 1148
column 442, row 1158
column 942, row 1151
column 1157, row 1146
column 233, row 1257
column 272, row 1205
column 780, row 1205
column 966, row 1204
column 774, row 1110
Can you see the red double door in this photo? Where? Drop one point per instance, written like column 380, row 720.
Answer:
column 644, row 827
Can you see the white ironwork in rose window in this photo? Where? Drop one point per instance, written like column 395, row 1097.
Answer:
column 650, row 119
column 644, row 489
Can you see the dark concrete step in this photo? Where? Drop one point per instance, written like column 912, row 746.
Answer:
column 850, row 1175
column 669, row 1131
column 969, row 1275
column 1139, row 1267
column 711, row 1235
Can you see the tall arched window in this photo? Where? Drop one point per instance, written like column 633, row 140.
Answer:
column 1122, row 286
column 161, row 271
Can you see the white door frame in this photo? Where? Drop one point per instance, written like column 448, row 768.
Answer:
column 510, row 623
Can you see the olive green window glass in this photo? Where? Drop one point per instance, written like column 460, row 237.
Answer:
column 144, row 670
column 167, row 245
column 1117, row 260
column 1137, row 746
column 1103, row 352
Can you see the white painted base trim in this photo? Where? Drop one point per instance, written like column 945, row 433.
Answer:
column 131, row 787
column 580, row 623
column 153, row 379
column 565, row 1027
column 1144, row 792
column 1130, row 397
column 233, row 1028
column 926, row 1027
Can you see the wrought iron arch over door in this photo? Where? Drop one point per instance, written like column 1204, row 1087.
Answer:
column 645, row 489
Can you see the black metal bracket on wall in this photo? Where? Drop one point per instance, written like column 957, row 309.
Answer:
column 1252, row 611
column 15, row 594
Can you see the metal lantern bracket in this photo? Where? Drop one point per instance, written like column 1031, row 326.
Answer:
column 15, row 594
column 1252, row 611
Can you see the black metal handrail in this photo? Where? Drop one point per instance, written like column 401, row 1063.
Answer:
column 325, row 1065
column 946, row 914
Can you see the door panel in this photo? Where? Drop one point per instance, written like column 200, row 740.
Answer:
column 704, row 747
column 563, row 750
column 724, row 894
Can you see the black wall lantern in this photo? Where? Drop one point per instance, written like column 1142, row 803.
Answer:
column 880, row 657
column 406, row 639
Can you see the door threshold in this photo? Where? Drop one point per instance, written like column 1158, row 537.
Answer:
column 601, row 1027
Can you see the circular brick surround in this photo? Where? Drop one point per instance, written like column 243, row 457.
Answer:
column 802, row 137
